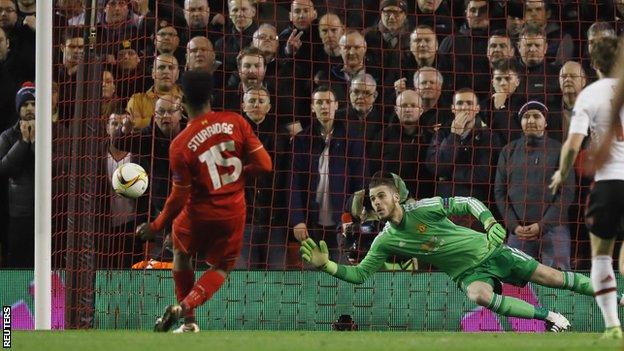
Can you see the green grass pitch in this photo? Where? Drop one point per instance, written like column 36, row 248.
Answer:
column 93, row 340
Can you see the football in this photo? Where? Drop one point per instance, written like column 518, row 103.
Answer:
column 130, row 180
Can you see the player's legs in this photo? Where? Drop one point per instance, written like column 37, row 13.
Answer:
column 604, row 219
column 604, row 283
column 482, row 293
column 184, row 279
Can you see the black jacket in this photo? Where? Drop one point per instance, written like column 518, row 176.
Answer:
column 17, row 162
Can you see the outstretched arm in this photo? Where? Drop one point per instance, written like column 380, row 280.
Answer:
column 318, row 256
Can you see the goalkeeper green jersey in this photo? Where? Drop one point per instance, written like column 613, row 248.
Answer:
column 427, row 234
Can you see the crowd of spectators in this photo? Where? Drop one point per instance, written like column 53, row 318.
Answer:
column 458, row 97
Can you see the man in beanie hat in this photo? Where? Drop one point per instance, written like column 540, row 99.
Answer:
column 540, row 229
column 17, row 153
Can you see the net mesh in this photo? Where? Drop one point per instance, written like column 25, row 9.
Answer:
column 106, row 74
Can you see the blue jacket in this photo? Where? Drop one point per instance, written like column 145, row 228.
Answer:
column 346, row 171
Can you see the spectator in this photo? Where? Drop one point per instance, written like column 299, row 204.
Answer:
column 502, row 106
column 428, row 83
column 73, row 55
column 200, row 56
column 362, row 116
column 326, row 167
column 119, row 248
column 436, row 15
column 514, row 20
column 265, row 234
column 165, row 74
column 26, row 8
column 11, row 77
column 572, row 80
column 17, row 162
column 300, row 43
column 116, row 27
column 130, row 70
column 499, row 48
column 353, row 51
column 71, row 13
column 151, row 147
column 242, row 14
column 251, row 72
column 110, row 103
column 560, row 47
column 537, row 75
column 536, row 219
column 385, row 43
column 21, row 34
column 469, row 48
column 404, row 145
column 197, row 16
column 331, row 30
column 424, row 53
column 167, row 41
column 462, row 159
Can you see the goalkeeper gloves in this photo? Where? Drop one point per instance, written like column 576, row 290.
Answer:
column 318, row 256
column 495, row 233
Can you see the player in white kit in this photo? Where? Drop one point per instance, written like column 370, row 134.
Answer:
column 604, row 215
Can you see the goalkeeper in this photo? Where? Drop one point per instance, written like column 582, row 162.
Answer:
column 478, row 263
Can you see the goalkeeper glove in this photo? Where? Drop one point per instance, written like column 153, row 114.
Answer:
column 318, row 256
column 495, row 233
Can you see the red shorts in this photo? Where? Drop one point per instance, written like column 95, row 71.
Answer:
column 218, row 241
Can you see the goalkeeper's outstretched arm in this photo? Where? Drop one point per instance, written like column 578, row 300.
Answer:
column 318, row 256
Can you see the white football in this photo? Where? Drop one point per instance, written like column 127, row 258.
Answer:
column 130, row 180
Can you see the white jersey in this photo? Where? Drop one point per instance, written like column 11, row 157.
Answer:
column 592, row 111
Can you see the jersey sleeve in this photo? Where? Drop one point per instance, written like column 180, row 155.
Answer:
column 374, row 260
column 180, row 171
column 460, row 206
column 250, row 139
column 583, row 110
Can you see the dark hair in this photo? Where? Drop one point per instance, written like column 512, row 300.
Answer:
column 532, row 30
column 505, row 66
column 197, row 89
column 324, row 89
column 72, row 32
column 383, row 178
column 499, row 33
column 604, row 54
column 249, row 51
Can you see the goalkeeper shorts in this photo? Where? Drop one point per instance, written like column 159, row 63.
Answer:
column 504, row 265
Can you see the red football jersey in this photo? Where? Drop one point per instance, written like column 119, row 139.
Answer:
column 209, row 156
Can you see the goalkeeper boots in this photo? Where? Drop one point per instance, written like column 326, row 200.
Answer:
column 612, row 333
column 168, row 319
column 187, row 328
column 556, row 322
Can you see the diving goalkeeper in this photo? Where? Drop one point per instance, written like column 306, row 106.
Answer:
column 478, row 263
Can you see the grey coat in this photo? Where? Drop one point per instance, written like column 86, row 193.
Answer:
column 17, row 163
column 524, row 169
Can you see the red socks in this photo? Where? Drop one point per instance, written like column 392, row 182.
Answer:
column 209, row 283
column 184, row 281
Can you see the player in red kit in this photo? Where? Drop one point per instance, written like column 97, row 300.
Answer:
column 209, row 160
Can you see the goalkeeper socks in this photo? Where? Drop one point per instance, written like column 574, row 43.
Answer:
column 203, row 290
column 512, row 307
column 578, row 283
column 603, row 280
column 184, row 281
